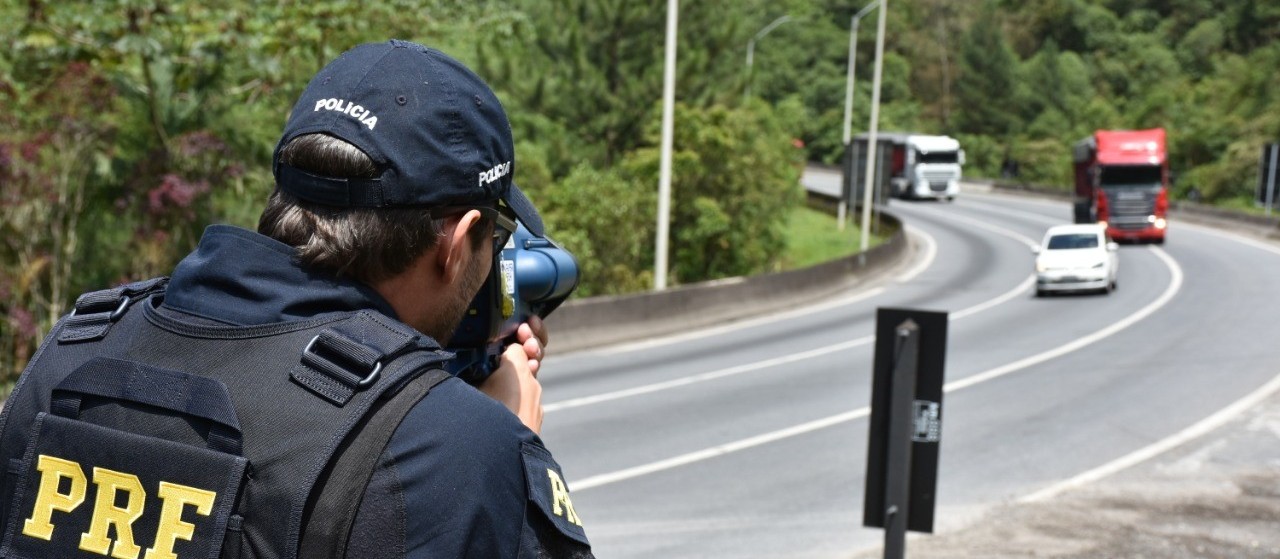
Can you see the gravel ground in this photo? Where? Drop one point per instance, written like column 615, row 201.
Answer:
column 1216, row 496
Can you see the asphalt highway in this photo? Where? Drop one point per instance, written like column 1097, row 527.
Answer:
column 749, row 440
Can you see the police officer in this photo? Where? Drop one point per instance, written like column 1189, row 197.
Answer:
column 393, row 186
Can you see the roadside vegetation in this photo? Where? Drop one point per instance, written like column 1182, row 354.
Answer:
column 813, row 237
column 132, row 125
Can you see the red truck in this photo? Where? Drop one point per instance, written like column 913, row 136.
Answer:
column 1122, row 181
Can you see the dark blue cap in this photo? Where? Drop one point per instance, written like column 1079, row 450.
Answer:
column 433, row 127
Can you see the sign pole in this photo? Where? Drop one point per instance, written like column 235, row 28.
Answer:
column 897, row 487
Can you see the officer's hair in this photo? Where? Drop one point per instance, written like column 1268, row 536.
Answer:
column 367, row 245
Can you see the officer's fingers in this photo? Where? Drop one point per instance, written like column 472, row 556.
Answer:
column 517, row 355
column 527, row 402
column 539, row 329
column 532, row 348
column 514, row 385
column 526, row 356
column 526, row 331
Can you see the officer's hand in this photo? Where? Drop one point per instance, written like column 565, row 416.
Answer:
column 515, row 383
column 536, row 330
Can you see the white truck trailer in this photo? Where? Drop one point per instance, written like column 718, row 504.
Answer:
column 911, row 166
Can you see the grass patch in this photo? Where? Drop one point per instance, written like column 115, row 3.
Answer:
column 812, row 238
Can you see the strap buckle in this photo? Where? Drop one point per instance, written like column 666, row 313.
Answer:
column 95, row 312
column 309, row 354
column 115, row 315
column 348, row 357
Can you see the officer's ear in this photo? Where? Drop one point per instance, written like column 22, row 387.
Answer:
column 455, row 248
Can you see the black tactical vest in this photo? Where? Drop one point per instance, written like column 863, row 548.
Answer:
column 132, row 434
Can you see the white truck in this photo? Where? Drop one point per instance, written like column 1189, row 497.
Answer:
column 912, row 166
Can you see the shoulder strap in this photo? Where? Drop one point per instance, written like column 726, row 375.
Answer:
column 96, row 311
column 333, row 510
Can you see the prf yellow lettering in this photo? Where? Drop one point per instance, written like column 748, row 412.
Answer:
column 174, row 500
column 171, row 526
column 560, row 503
column 52, row 472
column 106, row 514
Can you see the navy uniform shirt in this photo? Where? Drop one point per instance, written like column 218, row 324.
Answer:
column 461, row 476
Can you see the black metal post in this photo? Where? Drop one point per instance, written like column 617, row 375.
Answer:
column 897, row 489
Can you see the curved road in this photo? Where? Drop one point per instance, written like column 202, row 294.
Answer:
column 750, row 440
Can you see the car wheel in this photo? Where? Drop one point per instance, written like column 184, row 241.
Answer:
column 1040, row 293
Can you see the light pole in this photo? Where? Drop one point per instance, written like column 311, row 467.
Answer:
column 873, row 129
column 664, row 166
column 751, row 49
column 848, row 110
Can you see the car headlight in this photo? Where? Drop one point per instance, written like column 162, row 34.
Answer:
column 1041, row 268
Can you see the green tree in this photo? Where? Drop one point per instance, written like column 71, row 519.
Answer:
column 48, row 154
column 734, row 183
column 988, row 84
column 592, row 65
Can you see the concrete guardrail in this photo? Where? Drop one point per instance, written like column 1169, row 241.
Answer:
column 598, row 321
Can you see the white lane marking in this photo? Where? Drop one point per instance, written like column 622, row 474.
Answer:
column 703, row 377
column 1017, row 200
column 1016, row 291
column 621, row 475
column 1175, row 284
column 983, row 225
column 1265, row 245
column 930, row 251
column 648, row 344
column 1198, row 429
column 758, row 365
column 930, row 248
column 720, row 450
column 1260, row 245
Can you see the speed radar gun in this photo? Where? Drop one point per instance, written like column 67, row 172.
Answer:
column 530, row 277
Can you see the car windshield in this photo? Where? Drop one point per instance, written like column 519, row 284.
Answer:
column 1073, row 240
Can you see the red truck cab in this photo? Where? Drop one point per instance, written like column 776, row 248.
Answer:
column 1122, row 181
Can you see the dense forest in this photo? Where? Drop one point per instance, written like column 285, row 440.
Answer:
column 131, row 124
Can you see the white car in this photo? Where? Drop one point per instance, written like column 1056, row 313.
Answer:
column 1076, row 257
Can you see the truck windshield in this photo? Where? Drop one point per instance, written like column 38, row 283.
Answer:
column 1119, row 176
column 937, row 156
